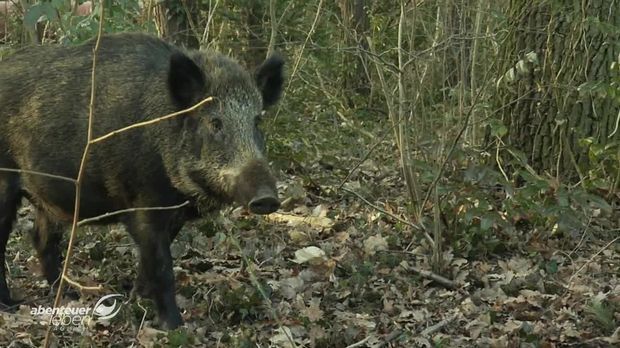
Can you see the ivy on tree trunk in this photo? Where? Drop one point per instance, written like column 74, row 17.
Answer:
column 558, row 86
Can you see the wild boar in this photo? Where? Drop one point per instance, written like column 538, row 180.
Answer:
column 212, row 156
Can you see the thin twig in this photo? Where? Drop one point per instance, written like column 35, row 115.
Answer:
column 149, row 122
column 458, row 137
column 583, row 236
column 16, row 305
column 190, row 20
column 34, row 172
column 129, row 210
column 262, row 292
column 312, row 28
column 78, row 182
column 570, row 280
column 80, row 286
column 205, row 34
column 389, row 338
column 141, row 321
column 403, row 122
column 301, row 52
column 359, row 344
column 435, row 277
column 274, row 28
column 434, row 328
column 409, row 223
column 360, row 162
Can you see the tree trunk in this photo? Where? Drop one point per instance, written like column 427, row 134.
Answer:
column 558, row 86
column 356, row 28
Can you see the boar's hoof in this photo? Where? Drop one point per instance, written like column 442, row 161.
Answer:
column 265, row 204
column 141, row 289
column 170, row 321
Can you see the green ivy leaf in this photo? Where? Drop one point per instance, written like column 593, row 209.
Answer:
column 498, row 129
column 551, row 267
column 487, row 221
column 35, row 12
column 178, row 338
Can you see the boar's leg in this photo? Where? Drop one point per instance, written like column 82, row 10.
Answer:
column 46, row 237
column 10, row 197
column 152, row 232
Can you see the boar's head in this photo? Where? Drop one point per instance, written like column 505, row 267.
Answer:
column 221, row 155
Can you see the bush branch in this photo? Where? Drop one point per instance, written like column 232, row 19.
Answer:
column 78, row 182
column 129, row 210
column 150, row 122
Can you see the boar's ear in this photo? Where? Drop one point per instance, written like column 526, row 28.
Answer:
column 186, row 81
column 269, row 78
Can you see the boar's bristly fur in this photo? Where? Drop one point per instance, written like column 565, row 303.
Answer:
column 211, row 156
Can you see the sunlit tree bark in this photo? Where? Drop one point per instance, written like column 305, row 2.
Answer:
column 559, row 85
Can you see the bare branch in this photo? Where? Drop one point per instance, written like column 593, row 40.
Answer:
column 141, row 321
column 359, row 343
column 434, row 277
column 372, row 148
column 592, row 259
column 409, row 223
column 459, row 136
column 34, row 172
column 301, row 51
column 80, row 286
column 434, row 328
column 149, row 122
column 78, row 182
column 274, row 27
column 129, row 210
column 205, row 34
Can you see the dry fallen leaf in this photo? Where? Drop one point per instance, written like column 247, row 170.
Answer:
column 374, row 244
column 295, row 220
column 289, row 287
column 319, row 211
column 309, row 254
column 298, row 236
column 148, row 336
column 283, row 337
column 313, row 312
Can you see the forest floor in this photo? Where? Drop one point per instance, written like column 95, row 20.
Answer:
column 334, row 271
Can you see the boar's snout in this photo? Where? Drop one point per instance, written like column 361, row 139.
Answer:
column 255, row 188
column 265, row 202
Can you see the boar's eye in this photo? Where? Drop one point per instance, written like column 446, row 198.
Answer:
column 216, row 124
